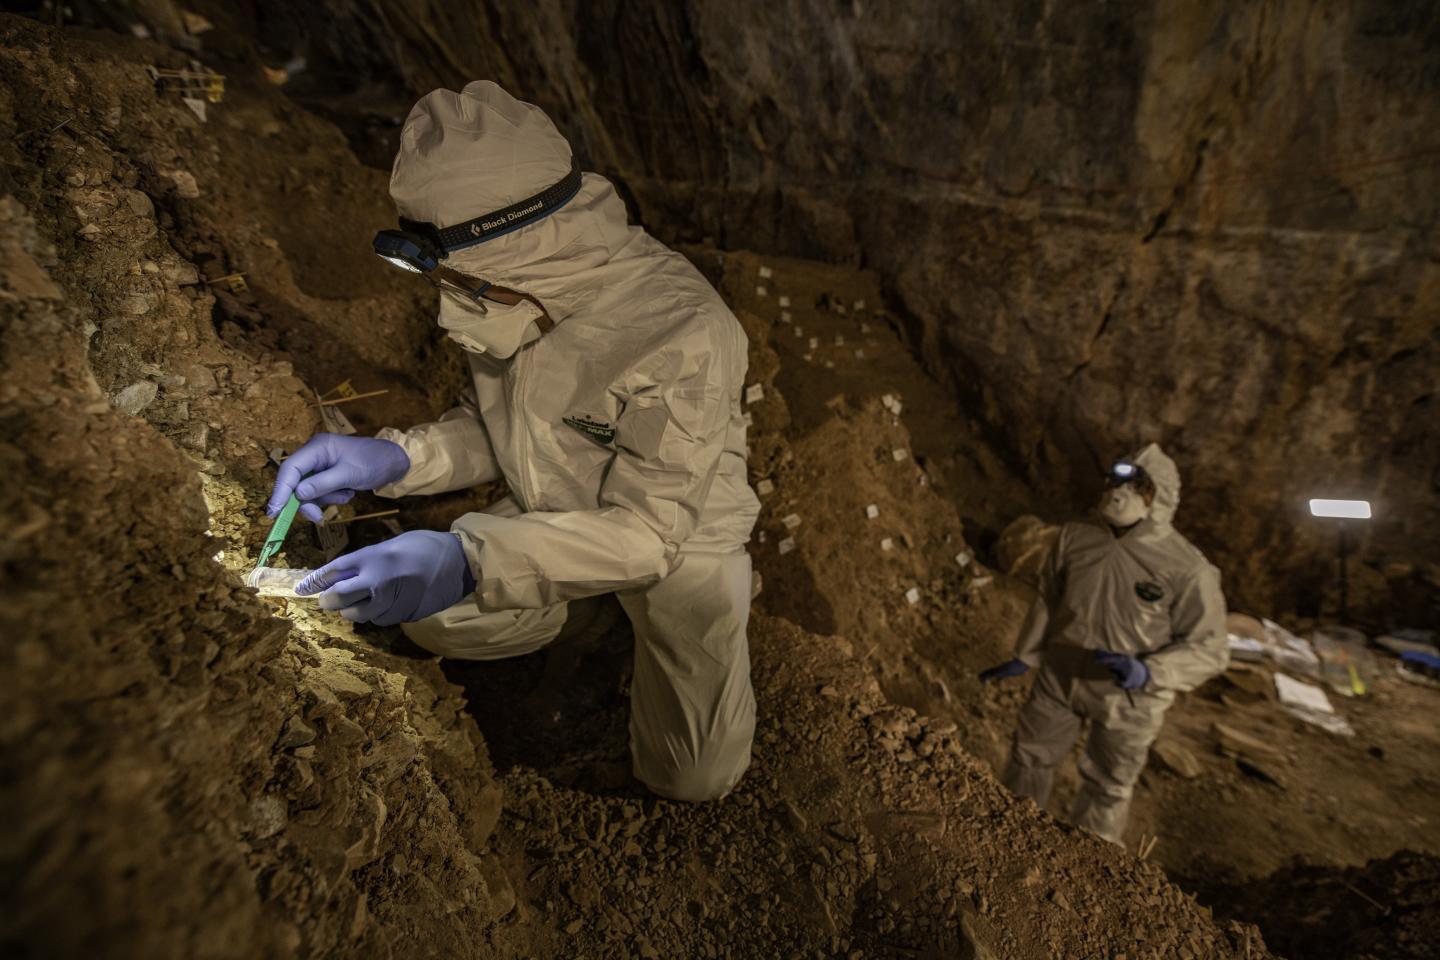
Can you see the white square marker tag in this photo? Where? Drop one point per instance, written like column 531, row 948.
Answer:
column 887, row 544
column 784, row 301
column 792, row 521
column 764, row 488
column 799, row 332
column 872, row 511
column 787, row 545
column 754, row 393
column 761, row 291
column 839, row 340
column 859, row 305
column 963, row 558
column 765, row 273
column 814, row 343
column 899, row 454
column 859, row 354
column 912, row 596
column 784, row 316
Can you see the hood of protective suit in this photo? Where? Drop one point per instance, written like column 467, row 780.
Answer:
column 469, row 153
column 1166, row 475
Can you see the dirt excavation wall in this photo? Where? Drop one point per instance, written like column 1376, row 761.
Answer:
column 192, row 771
column 184, row 774
column 1206, row 223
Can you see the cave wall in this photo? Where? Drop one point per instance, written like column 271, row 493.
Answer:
column 1202, row 223
column 184, row 773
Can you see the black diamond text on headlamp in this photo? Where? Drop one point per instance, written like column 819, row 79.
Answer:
column 488, row 226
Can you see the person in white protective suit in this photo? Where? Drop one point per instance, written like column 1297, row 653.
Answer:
column 1129, row 613
column 608, row 376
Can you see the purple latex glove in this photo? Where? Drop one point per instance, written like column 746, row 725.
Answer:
column 403, row 579
column 1006, row 670
column 1130, row 672
column 330, row 468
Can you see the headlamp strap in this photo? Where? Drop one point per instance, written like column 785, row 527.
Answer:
column 487, row 226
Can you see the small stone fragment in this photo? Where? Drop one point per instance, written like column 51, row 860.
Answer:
column 136, row 397
column 185, row 186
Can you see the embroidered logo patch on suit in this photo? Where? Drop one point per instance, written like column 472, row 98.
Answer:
column 1147, row 590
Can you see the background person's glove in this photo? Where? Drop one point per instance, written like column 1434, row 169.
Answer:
column 403, row 579
column 330, row 468
column 1010, row 668
column 1130, row 672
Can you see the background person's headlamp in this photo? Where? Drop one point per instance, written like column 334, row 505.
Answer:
column 1123, row 472
column 419, row 246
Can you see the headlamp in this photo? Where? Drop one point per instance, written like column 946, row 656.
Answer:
column 1123, row 472
column 419, row 246
column 406, row 250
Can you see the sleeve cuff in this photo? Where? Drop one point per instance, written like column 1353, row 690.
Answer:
column 400, row 487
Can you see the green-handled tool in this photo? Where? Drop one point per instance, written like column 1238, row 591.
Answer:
column 275, row 539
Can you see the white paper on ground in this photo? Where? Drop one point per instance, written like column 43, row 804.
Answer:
column 1296, row 694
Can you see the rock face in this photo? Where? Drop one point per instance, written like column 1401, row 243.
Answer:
column 1204, row 224
column 184, row 773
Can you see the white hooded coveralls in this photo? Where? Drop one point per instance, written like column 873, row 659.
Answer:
column 1148, row 593
column 619, row 433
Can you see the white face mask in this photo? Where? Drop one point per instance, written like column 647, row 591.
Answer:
column 499, row 331
column 1123, row 507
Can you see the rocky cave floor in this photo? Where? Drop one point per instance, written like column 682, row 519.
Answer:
column 236, row 776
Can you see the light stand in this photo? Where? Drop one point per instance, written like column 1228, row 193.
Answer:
column 1340, row 511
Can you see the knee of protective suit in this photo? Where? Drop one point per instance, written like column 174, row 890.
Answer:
column 431, row 636
column 697, row 782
